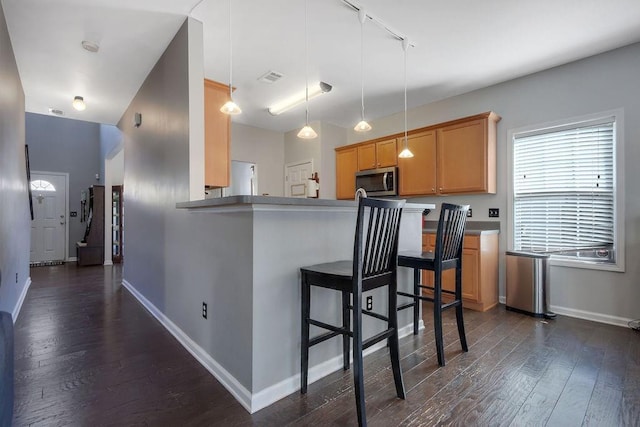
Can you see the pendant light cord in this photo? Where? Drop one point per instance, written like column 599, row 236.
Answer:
column 230, row 56
column 362, row 67
column 405, row 47
column 306, row 63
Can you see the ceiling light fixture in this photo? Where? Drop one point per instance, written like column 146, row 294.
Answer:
column 315, row 89
column 307, row 131
column 405, row 153
column 78, row 103
column 362, row 126
column 230, row 107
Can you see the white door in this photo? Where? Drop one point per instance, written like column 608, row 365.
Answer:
column 48, row 228
column 295, row 178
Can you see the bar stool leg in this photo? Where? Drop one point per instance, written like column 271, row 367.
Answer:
column 437, row 316
column 346, row 324
column 304, row 346
column 416, row 301
column 459, row 318
column 358, row 371
column 394, row 345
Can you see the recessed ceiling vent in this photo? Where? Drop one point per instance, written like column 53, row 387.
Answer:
column 56, row 112
column 270, row 77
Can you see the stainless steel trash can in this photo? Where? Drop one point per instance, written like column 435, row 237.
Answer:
column 528, row 283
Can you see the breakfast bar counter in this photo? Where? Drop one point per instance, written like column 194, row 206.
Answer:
column 247, row 251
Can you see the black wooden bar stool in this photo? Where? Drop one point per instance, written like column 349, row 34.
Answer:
column 447, row 255
column 373, row 266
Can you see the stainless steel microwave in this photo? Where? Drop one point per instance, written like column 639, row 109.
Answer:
column 378, row 182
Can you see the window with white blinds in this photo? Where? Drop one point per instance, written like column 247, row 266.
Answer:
column 564, row 190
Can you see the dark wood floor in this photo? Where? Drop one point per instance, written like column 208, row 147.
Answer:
column 88, row 354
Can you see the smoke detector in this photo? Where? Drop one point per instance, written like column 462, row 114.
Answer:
column 90, row 46
column 270, row 77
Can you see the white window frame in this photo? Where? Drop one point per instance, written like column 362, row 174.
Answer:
column 619, row 205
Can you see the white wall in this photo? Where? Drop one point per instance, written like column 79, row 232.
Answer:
column 600, row 83
column 320, row 150
column 265, row 148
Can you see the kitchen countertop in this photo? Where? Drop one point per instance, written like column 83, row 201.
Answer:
column 472, row 228
column 238, row 201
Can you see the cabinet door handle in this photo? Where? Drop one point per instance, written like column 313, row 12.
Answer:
column 433, row 190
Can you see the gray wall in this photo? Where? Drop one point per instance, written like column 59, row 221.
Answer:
column 600, row 83
column 15, row 219
column 265, row 148
column 68, row 146
column 160, row 260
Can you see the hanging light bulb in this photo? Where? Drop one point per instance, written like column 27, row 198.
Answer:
column 362, row 126
column 230, row 107
column 405, row 153
column 307, row 131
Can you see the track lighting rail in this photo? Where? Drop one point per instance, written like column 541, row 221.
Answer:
column 379, row 23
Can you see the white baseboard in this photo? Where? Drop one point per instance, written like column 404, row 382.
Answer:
column 234, row 387
column 272, row 394
column 262, row 399
column 582, row 314
column 108, row 262
column 589, row 315
column 23, row 295
column 72, row 259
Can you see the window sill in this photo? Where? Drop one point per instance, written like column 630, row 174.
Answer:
column 589, row 265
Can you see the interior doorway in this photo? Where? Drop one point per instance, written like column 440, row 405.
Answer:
column 49, row 228
column 295, row 178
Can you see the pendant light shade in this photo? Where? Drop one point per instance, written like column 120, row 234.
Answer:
column 362, row 126
column 230, row 107
column 307, row 131
column 405, row 153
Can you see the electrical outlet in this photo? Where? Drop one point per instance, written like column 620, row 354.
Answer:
column 469, row 213
column 204, row 310
column 369, row 303
column 494, row 212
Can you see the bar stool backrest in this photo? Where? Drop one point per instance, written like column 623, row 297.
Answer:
column 450, row 232
column 376, row 239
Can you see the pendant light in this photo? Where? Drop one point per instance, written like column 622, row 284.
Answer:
column 230, row 107
column 362, row 126
column 405, row 153
column 307, row 131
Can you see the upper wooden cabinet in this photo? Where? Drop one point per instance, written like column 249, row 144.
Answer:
column 346, row 168
column 466, row 156
column 217, row 132
column 417, row 175
column 380, row 154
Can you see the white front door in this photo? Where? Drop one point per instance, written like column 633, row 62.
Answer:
column 295, row 178
column 48, row 228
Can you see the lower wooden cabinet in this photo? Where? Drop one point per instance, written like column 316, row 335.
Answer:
column 479, row 271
